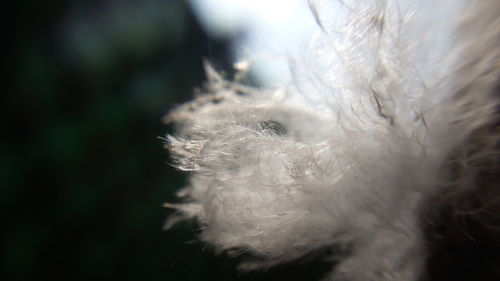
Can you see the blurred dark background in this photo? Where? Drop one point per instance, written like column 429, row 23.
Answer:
column 83, row 174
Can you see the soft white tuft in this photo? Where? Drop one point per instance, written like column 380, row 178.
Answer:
column 354, row 150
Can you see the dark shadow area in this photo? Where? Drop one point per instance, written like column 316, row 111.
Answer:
column 82, row 172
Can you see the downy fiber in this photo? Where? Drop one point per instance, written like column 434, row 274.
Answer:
column 385, row 144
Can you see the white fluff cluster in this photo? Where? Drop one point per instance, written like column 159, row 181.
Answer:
column 354, row 150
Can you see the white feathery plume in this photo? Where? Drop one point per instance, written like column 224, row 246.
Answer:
column 355, row 151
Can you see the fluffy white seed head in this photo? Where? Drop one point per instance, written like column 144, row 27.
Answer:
column 358, row 148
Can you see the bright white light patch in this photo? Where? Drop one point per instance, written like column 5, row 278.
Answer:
column 269, row 28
